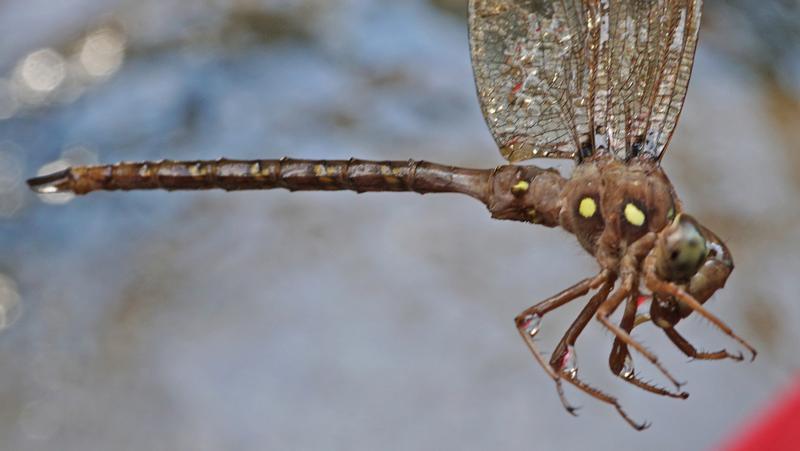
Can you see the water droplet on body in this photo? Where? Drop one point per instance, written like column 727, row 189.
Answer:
column 531, row 324
column 627, row 368
column 569, row 363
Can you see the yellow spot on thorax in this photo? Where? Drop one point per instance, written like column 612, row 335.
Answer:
column 587, row 207
column 521, row 187
column 633, row 215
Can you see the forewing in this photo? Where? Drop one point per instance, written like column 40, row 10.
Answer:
column 558, row 77
column 530, row 69
column 649, row 53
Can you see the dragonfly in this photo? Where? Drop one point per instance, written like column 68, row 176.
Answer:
column 598, row 82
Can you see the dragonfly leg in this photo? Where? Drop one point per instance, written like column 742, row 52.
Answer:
column 693, row 353
column 604, row 397
column 672, row 289
column 620, row 360
column 564, row 351
column 681, row 300
column 629, row 271
column 528, row 324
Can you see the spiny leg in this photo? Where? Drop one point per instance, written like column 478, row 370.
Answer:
column 564, row 349
column 528, row 324
column 629, row 274
column 671, row 289
column 609, row 307
column 619, row 359
column 599, row 395
column 693, row 353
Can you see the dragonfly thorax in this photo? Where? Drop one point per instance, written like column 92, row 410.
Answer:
column 609, row 204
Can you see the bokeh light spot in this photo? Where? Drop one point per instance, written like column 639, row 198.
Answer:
column 102, row 52
column 43, row 70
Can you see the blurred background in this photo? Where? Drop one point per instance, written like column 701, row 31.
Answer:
column 270, row 320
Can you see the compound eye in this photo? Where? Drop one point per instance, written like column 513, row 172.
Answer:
column 686, row 249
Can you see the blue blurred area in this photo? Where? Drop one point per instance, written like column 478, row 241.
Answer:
column 270, row 320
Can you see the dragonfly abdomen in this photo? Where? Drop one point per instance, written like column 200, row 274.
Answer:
column 291, row 174
column 520, row 193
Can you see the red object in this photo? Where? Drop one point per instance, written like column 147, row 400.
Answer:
column 776, row 429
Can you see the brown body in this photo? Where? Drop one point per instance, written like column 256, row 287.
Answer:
column 538, row 203
column 613, row 185
column 548, row 199
column 626, row 214
column 599, row 82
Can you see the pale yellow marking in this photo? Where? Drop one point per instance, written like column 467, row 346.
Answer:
column 633, row 215
column 533, row 214
column 255, row 171
column 521, row 187
column 321, row 171
column 670, row 213
column 587, row 207
column 390, row 174
column 197, row 170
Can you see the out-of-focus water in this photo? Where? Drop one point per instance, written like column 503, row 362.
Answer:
column 270, row 320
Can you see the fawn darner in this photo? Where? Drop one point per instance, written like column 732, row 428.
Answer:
column 599, row 82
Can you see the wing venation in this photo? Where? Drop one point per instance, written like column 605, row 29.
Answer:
column 558, row 77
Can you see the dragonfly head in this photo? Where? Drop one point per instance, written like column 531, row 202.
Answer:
column 681, row 249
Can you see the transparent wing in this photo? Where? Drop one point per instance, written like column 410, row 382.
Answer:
column 531, row 71
column 650, row 52
column 556, row 78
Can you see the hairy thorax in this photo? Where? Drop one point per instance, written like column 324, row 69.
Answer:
column 609, row 204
